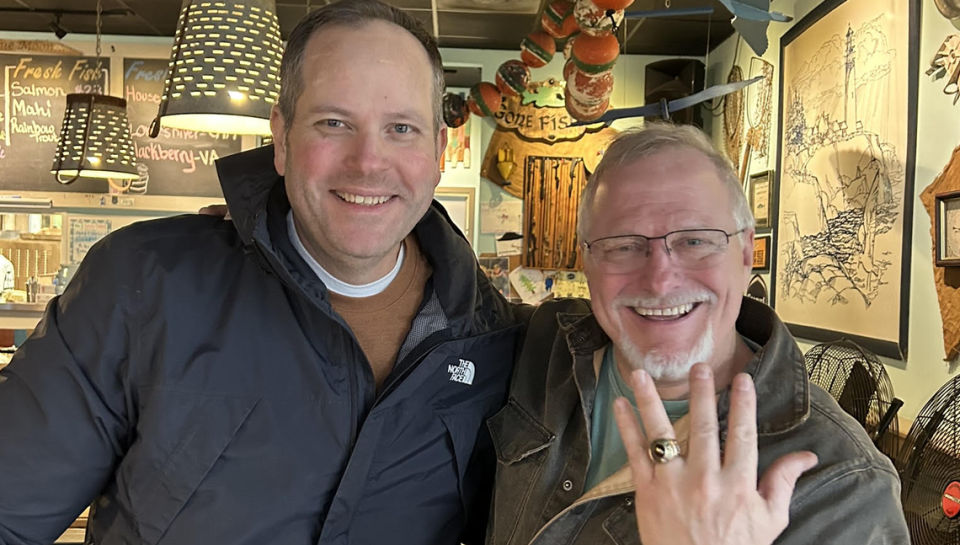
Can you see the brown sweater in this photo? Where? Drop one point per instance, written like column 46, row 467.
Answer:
column 381, row 322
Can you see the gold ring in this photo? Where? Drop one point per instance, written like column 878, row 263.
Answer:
column 663, row 450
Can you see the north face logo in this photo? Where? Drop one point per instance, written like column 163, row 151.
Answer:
column 462, row 372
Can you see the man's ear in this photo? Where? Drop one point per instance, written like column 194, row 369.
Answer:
column 279, row 130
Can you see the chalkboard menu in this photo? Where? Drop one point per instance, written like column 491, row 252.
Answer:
column 33, row 94
column 177, row 162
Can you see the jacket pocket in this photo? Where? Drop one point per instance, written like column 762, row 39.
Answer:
column 520, row 442
column 516, row 434
column 173, row 455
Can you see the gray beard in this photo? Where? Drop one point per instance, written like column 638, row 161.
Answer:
column 669, row 367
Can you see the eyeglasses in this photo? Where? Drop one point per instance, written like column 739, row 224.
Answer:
column 692, row 249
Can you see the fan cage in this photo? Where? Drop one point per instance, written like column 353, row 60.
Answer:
column 857, row 379
column 930, row 470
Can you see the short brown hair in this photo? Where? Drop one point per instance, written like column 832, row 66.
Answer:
column 353, row 13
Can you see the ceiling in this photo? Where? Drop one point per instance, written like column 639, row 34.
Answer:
column 478, row 24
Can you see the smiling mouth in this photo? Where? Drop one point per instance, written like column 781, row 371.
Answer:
column 666, row 314
column 362, row 200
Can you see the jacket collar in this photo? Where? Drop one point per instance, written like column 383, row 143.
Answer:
column 255, row 191
column 247, row 179
column 778, row 369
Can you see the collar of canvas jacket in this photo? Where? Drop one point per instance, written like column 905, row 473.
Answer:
column 778, row 368
column 253, row 189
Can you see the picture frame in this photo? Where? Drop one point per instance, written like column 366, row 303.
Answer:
column 460, row 204
column 947, row 235
column 497, row 270
column 842, row 238
column 760, row 196
column 762, row 245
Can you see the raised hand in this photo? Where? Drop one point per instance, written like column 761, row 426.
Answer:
column 695, row 497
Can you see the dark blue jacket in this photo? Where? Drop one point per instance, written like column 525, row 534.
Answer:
column 195, row 385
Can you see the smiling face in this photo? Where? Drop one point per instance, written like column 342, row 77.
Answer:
column 662, row 317
column 361, row 157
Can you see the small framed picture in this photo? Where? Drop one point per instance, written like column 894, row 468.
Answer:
column 760, row 197
column 947, row 214
column 497, row 269
column 761, row 252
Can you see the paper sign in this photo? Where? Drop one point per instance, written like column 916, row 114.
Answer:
column 509, row 247
column 503, row 217
column 82, row 234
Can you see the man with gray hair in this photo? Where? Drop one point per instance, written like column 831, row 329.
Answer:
column 716, row 379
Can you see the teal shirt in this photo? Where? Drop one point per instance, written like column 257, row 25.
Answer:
column 606, row 447
column 607, row 452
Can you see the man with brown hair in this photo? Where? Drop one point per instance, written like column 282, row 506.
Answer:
column 317, row 371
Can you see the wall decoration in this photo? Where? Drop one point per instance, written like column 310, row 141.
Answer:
column 946, row 64
column 733, row 117
column 550, row 197
column 570, row 284
column 757, row 290
column 529, row 284
column 946, row 242
column 758, row 117
column 501, row 216
column 497, row 269
column 758, row 135
column 458, row 201
column 761, row 253
column 539, row 125
column 759, row 195
column 947, row 279
column 845, row 168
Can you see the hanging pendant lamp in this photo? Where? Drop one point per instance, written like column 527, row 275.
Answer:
column 95, row 136
column 224, row 72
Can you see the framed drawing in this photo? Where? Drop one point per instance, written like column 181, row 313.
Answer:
column 947, row 239
column 761, row 253
column 459, row 203
column 845, row 167
column 760, row 192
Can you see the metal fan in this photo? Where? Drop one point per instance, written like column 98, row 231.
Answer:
column 930, row 470
column 860, row 384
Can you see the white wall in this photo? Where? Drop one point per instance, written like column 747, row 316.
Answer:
column 917, row 379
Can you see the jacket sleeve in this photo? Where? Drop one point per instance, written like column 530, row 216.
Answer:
column 862, row 505
column 65, row 401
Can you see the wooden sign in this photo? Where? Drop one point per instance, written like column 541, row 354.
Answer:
column 539, row 114
column 40, row 47
column 537, row 124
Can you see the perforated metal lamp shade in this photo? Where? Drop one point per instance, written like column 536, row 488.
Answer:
column 224, row 73
column 95, row 140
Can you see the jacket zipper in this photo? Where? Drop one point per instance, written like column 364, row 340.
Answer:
column 285, row 277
